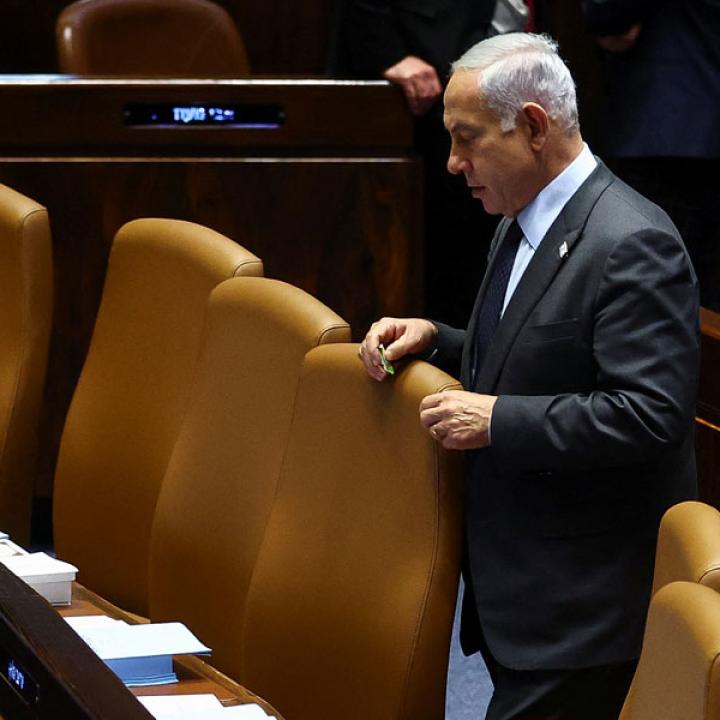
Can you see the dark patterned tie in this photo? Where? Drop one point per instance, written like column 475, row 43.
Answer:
column 489, row 315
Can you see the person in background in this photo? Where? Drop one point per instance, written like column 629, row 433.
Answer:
column 661, row 114
column 579, row 367
column 411, row 43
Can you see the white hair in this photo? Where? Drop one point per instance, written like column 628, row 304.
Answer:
column 516, row 68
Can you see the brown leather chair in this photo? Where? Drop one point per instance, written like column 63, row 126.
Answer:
column 178, row 38
column 220, row 485
column 351, row 603
column 689, row 546
column 128, row 405
column 678, row 677
column 26, row 300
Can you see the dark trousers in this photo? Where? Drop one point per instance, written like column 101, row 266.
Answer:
column 595, row 693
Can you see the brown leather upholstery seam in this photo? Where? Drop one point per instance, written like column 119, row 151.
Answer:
column 319, row 339
column 707, row 572
column 263, row 541
column 434, row 565
column 238, row 268
column 200, row 42
column 21, row 365
column 449, row 386
column 715, row 662
column 428, row 585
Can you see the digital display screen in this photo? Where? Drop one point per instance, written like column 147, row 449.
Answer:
column 257, row 117
column 18, row 678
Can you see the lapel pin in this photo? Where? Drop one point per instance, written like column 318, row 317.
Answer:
column 563, row 250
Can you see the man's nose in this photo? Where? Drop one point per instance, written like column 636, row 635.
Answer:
column 454, row 163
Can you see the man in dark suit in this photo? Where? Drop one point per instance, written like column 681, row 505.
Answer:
column 579, row 367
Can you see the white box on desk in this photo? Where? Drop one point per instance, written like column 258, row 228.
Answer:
column 49, row 577
column 8, row 548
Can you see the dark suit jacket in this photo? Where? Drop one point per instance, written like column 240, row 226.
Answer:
column 663, row 95
column 595, row 365
column 373, row 35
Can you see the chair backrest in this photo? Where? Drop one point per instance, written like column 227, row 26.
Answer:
column 678, row 677
column 221, row 481
column 688, row 546
column 179, row 38
column 26, row 300
column 351, row 601
column 127, row 408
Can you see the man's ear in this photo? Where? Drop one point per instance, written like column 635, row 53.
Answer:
column 537, row 123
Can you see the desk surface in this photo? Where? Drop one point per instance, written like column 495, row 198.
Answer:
column 195, row 676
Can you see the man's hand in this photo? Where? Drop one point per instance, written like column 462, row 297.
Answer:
column 458, row 419
column 619, row 43
column 400, row 337
column 419, row 82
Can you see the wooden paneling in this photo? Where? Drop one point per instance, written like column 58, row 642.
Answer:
column 331, row 203
column 284, row 37
column 65, row 116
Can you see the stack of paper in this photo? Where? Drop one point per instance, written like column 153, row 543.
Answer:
column 139, row 654
column 199, row 707
column 50, row 577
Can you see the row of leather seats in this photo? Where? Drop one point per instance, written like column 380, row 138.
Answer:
column 227, row 462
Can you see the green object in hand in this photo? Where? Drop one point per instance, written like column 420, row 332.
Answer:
column 387, row 367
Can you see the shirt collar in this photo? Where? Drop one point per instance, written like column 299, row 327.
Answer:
column 536, row 218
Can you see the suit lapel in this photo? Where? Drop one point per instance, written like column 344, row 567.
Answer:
column 551, row 254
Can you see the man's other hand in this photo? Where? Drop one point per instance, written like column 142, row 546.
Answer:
column 458, row 419
column 400, row 337
column 419, row 82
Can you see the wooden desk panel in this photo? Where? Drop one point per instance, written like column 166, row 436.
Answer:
column 68, row 116
column 61, row 677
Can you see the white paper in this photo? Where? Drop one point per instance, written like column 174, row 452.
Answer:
column 199, row 707
column 83, row 623
column 168, row 707
column 134, row 641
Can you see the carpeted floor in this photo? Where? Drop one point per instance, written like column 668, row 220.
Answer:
column 469, row 687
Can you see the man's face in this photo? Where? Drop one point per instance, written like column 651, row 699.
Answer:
column 499, row 167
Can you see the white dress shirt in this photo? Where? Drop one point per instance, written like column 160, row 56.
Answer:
column 537, row 217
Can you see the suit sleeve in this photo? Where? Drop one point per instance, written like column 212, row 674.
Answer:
column 646, row 352
column 613, row 17
column 447, row 354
